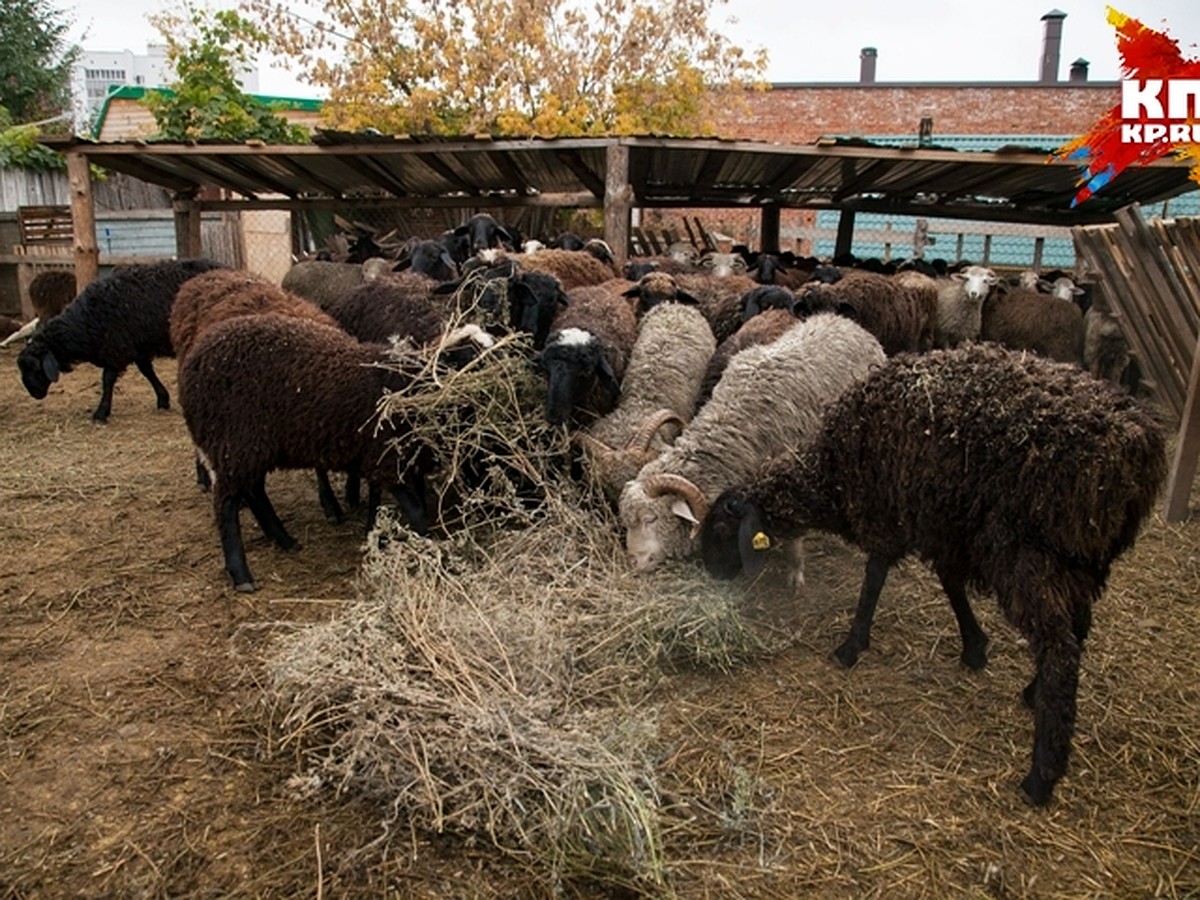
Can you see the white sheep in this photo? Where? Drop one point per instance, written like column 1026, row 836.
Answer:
column 960, row 305
column 767, row 406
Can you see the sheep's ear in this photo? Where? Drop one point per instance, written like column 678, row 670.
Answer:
column 751, row 309
column 402, row 264
column 752, row 544
column 686, row 298
column 609, row 379
column 505, row 234
column 683, row 509
column 634, row 291
column 461, row 230
column 448, row 287
column 50, row 367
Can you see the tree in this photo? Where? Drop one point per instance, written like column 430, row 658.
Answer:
column 514, row 67
column 35, row 61
column 207, row 49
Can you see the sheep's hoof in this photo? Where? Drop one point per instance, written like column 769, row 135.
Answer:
column 1036, row 790
column 975, row 658
column 847, row 653
column 244, row 587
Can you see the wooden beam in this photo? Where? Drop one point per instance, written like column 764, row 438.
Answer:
column 769, row 229
column 618, row 202
column 188, row 241
column 83, row 216
column 1187, row 449
column 595, row 183
column 845, row 233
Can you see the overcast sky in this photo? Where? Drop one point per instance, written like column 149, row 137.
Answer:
column 950, row 40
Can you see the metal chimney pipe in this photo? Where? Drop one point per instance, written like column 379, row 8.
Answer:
column 1079, row 71
column 1051, row 46
column 866, row 68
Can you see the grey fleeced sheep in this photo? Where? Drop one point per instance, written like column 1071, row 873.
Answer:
column 322, row 282
column 658, row 394
column 587, row 350
column 1024, row 319
column 116, row 320
column 1004, row 471
column 900, row 310
column 270, row 391
column 960, row 304
column 1105, row 349
column 768, row 404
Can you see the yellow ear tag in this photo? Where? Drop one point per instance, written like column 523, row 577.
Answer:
column 760, row 541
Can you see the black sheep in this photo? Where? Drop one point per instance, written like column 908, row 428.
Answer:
column 1003, row 471
column 119, row 319
column 270, row 391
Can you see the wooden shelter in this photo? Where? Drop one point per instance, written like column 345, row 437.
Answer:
column 618, row 174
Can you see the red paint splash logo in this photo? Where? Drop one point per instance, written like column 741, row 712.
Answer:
column 1157, row 114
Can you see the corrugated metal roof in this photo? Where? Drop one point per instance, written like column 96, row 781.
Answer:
column 1011, row 184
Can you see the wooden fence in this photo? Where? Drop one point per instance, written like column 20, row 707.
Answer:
column 1148, row 274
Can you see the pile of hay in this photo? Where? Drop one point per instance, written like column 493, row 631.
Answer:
column 492, row 682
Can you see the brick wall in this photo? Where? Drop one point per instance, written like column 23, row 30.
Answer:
column 801, row 113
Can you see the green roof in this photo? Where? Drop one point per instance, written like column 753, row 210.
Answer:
column 133, row 92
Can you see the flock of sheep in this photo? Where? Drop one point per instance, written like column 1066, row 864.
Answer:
column 724, row 413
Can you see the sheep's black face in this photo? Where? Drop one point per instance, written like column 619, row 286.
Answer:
column 571, row 364
column 39, row 369
column 733, row 537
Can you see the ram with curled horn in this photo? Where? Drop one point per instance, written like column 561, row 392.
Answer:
column 611, row 467
column 768, row 405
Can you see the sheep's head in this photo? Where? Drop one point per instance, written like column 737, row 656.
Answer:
column 769, row 296
column 534, row 299
column 660, row 513
column 655, row 288
column 574, row 361
column 482, row 231
column 733, row 537
column 39, row 368
column 976, row 282
column 1065, row 288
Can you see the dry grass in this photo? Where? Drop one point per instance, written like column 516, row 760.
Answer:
column 140, row 755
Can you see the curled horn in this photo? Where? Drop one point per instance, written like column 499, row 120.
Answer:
column 660, row 483
column 640, row 440
column 593, row 445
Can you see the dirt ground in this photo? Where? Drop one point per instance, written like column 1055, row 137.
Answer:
column 138, row 759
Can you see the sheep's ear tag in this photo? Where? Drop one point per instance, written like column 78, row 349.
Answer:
column 760, row 541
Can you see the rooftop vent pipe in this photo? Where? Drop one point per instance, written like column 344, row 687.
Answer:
column 1051, row 46
column 866, row 68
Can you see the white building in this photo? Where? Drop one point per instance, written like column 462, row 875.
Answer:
column 99, row 72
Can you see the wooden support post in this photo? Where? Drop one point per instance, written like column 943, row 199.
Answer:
column 618, row 202
column 769, row 241
column 188, row 243
column 844, row 241
column 1039, row 249
column 83, row 218
column 1187, row 449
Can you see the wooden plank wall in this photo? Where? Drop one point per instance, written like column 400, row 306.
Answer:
column 1148, row 275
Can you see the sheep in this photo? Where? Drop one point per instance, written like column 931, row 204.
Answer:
column 1024, row 319
column 521, row 301
column 402, row 305
column 572, row 268
column 960, row 305
column 272, row 391
column 660, row 387
column 323, row 281
column 1003, row 471
column 50, row 292
column 116, row 320
column 8, row 326
column 719, row 298
column 223, row 294
column 763, row 328
column 1105, row 349
column 900, row 310
column 429, row 258
column 586, row 352
column 484, row 232
column 768, row 403
column 655, row 288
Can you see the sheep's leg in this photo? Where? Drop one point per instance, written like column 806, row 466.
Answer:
column 410, row 497
column 231, row 542
column 974, row 640
column 268, row 520
column 1056, row 650
column 1081, row 624
column 203, row 476
column 329, row 502
column 353, row 486
column 108, row 378
column 859, row 638
column 146, row 367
